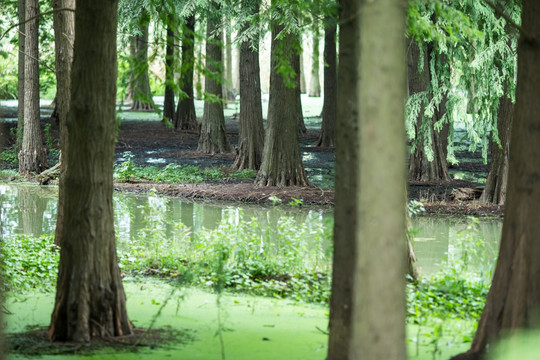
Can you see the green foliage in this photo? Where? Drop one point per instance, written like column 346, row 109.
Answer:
column 8, row 73
column 296, row 202
column 9, row 156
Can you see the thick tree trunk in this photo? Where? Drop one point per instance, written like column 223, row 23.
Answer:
column 90, row 300
column 213, row 138
column 142, row 95
column 64, row 30
column 495, row 189
column 315, row 82
column 251, row 134
column 20, row 75
column 168, row 102
column 513, row 301
column 346, row 211
column 185, row 117
column 420, row 167
column 282, row 163
column 379, row 280
column 327, row 136
column 33, row 154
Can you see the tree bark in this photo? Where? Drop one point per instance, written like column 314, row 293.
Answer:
column 315, row 82
column 20, row 75
column 513, row 301
column 33, row 154
column 168, row 102
column 142, row 95
column 213, row 138
column 346, row 211
column 251, row 134
column 90, row 300
column 185, row 117
column 496, row 183
column 228, row 90
column 282, row 163
column 327, row 136
column 302, row 75
column 379, row 280
column 420, row 167
column 64, row 38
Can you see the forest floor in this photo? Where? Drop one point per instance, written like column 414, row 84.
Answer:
column 152, row 143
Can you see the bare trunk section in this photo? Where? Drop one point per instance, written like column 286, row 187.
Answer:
column 496, row 183
column 213, row 138
column 251, row 134
column 168, row 102
column 90, row 299
column 302, row 75
column 185, row 117
column 315, row 81
column 142, row 95
column 64, row 38
column 33, row 154
column 346, row 211
column 228, row 89
column 513, row 301
column 327, row 136
column 298, row 96
column 20, row 75
column 282, row 163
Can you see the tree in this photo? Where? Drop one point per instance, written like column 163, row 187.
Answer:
column 90, row 300
column 20, row 75
column 346, row 211
column 302, row 130
column 251, row 133
column 140, row 92
column 327, row 135
column 185, row 117
column 213, row 138
column 64, row 37
column 514, row 298
column 33, row 155
column 228, row 87
column 282, row 163
column 315, row 82
column 168, row 101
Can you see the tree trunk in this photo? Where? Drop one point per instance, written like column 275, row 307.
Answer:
column 282, row 163
column 298, row 96
column 379, row 280
column 228, row 90
column 64, row 30
column 327, row 136
column 420, row 166
column 33, row 154
column 251, row 134
column 513, row 301
column 185, row 117
column 168, row 102
column 315, row 82
column 142, row 95
column 90, row 300
column 213, row 138
column 495, row 189
column 346, row 211
column 302, row 74
column 20, row 75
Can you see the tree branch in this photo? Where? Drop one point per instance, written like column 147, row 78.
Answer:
column 33, row 18
column 508, row 19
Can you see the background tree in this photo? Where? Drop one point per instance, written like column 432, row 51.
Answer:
column 315, row 82
column 514, row 299
column 168, row 101
column 302, row 130
column 213, row 138
column 90, row 300
column 33, row 154
column 228, row 87
column 21, row 9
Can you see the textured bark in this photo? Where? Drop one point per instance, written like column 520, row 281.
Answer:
column 168, row 102
column 90, row 300
column 64, row 30
column 327, row 136
column 298, row 96
column 315, row 81
column 420, row 168
column 20, row 74
column 185, row 117
column 140, row 86
column 496, row 183
column 346, row 211
column 513, row 301
column 282, row 163
column 213, row 138
column 379, row 291
column 251, row 134
column 33, row 154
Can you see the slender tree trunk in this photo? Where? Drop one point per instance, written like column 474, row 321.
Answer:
column 282, row 163
column 302, row 74
column 64, row 30
column 496, row 183
column 90, row 299
column 298, row 96
column 251, row 134
column 20, row 75
column 228, row 90
column 327, row 135
column 379, row 290
column 513, row 301
column 33, row 154
column 142, row 95
column 168, row 102
column 213, row 138
column 185, row 117
column 346, row 211
column 315, row 82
